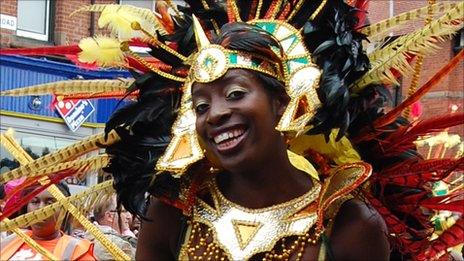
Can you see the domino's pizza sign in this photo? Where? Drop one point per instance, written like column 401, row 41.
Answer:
column 74, row 112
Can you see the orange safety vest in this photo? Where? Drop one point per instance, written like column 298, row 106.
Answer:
column 67, row 247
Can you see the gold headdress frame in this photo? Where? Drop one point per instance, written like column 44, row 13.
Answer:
column 300, row 75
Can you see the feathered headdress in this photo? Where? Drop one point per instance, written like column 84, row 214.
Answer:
column 314, row 49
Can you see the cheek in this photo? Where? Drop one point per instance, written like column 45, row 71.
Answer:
column 200, row 128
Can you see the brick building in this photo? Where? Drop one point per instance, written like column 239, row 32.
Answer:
column 449, row 93
column 47, row 22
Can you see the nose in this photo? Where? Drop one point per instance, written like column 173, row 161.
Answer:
column 218, row 113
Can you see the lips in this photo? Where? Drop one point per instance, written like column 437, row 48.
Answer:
column 227, row 141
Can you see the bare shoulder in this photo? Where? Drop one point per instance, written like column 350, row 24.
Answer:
column 359, row 233
column 158, row 237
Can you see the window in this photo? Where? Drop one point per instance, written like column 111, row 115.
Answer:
column 34, row 19
column 149, row 4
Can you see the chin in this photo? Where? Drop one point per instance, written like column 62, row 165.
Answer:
column 240, row 162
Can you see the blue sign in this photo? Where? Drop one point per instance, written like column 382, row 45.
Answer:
column 75, row 112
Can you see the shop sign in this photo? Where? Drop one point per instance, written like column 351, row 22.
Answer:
column 8, row 22
column 74, row 112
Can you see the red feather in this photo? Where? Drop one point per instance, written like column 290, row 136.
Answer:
column 403, row 137
column 451, row 237
column 88, row 66
column 411, row 166
column 164, row 17
column 389, row 117
column 106, row 95
column 230, row 13
column 367, row 134
column 17, row 205
column 451, row 202
column 362, row 6
column 419, row 178
column 52, row 50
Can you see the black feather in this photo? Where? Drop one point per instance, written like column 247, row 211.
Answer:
column 144, row 128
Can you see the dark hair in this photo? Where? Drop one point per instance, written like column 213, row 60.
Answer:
column 2, row 191
column 64, row 188
column 245, row 37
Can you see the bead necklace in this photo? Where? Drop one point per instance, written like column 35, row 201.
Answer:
column 206, row 249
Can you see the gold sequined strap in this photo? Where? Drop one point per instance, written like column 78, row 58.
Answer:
column 338, row 186
column 322, row 252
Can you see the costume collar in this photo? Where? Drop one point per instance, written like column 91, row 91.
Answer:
column 242, row 232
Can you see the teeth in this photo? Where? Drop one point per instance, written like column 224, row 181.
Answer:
column 227, row 135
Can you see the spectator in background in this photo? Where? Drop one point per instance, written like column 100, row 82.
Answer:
column 115, row 225
column 47, row 234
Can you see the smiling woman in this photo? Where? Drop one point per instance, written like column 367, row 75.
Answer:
column 244, row 210
column 260, row 132
column 236, row 118
column 253, row 157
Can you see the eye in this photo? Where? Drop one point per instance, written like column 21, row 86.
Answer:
column 35, row 201
column 50, row 201
column 236, row 93
column 201, row 107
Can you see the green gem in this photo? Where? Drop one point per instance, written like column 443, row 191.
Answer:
column 270, row 27
column 303, row 60
column 208, row 62
column 233, row 58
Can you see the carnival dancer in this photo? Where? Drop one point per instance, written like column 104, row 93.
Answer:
column 259, row 130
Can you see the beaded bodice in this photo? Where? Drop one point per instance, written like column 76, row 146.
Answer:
column 225, row 230
column 233, row 232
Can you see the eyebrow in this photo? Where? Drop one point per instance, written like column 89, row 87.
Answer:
column 227, row 79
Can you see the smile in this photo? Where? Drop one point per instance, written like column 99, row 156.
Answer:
column 229, row 140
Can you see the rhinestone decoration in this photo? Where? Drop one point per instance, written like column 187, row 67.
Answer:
column 243, row 232
column 210, row 64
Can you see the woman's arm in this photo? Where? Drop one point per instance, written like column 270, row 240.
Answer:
column 359, row 233
column 158, row 237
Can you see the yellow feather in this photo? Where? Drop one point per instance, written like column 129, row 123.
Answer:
column 380, row 29
column 104, row 51
column 56, row 193
column 340, row 152
column 13, row 147
column 71, row 87
column 78, row 166
column 394, row 55
column 64, row 154
column 118, row 19
column 302, row 164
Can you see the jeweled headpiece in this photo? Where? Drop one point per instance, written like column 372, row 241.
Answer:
column 296, row 70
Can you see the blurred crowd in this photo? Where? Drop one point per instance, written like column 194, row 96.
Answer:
column 65, row 238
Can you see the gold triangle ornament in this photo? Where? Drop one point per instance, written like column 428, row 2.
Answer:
column 245, row 231
column 184, row 148
column 301, row 88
